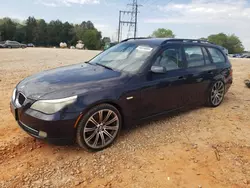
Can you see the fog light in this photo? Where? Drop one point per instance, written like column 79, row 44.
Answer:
column 42, row 134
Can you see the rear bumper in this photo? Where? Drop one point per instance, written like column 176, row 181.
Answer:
column 229, row 83
column 56, row 128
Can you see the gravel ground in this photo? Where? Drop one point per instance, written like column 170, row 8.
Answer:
column 202, row 147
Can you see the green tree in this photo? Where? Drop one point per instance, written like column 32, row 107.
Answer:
column 163, row 33
column 31, row 25
column 87, row 25
column 54, row 32
column 91, row 39
column 41, row 33
column 20, row 34
column 66, row 35
column 80, row 30
column 234, row 45
column 50, row 34
column 106, row 40
column 219, row 39
column 7, row 29
column 230, row 42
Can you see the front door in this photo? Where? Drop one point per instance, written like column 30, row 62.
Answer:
column 165, row 91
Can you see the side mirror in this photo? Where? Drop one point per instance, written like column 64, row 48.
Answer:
column 158, row 69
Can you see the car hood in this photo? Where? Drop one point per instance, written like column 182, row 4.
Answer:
column 69, row 81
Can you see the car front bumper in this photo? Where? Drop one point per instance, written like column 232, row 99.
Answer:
column 56, row 128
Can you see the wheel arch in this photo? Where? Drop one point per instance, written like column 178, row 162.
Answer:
column 110, row 102
column 218, row 77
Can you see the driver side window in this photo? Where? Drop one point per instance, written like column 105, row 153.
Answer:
column 170, row 58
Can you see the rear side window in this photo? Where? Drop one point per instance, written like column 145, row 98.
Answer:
column 216, row 55
column 194, row 56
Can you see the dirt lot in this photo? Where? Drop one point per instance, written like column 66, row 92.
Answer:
column 203, row 147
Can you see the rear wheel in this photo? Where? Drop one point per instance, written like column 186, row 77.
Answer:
column 216, row 94
column 99, row 127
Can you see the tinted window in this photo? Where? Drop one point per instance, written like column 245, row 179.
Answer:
column 13, row 42
column 194, row 56
column 170, row 59
column 206, row 57
column 128, row 57
column 216, row 55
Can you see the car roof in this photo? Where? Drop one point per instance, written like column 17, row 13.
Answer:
column 165, row 41
column 150, row 41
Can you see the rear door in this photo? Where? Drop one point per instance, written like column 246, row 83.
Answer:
column 16, row 44
column 221, row 65
column 199, row 70
column 13, row 44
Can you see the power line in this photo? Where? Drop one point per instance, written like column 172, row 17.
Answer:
column 132, row 23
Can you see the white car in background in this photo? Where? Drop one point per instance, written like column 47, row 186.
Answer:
column 79, row 45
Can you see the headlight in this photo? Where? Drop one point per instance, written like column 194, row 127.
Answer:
column 13, row 95
column 52, row 106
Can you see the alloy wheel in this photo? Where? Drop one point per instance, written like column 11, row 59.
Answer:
column 101, row 128
column 217, row 93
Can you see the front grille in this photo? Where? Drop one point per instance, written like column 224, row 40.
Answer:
column 21, row 98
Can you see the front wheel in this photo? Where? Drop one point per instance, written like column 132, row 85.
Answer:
column 216, row 94
column 99, row 127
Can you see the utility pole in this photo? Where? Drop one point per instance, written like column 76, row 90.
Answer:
column 134, row 16
column 136, row 12
column 119, row 27
column 131, row 23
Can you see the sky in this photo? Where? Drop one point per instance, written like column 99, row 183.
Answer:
column 186, row 18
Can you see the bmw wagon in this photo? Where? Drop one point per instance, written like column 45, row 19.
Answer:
column 89, row 103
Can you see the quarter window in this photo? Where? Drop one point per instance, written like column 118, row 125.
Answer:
column 216, row 55
column 194, row 56
column 170, row 59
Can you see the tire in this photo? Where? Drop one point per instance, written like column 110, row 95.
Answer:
column 216, row 94
column 99, row 127
column 9, row 47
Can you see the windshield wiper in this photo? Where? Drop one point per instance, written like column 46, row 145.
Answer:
column 104, row 66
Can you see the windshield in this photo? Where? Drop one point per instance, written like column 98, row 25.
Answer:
column 128, row 57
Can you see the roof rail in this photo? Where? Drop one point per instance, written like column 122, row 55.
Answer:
column 186, row 40
column 125, row 40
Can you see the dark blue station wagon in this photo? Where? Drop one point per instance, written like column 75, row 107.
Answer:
column 133, row 80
